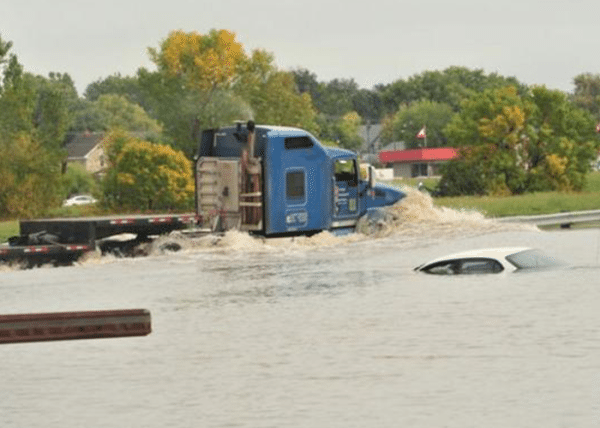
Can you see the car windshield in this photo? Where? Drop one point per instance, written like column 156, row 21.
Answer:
column 532, row 259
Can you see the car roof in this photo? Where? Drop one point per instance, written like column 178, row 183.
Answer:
column 499, row 254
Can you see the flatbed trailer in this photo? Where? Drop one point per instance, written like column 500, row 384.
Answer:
column 64, row 240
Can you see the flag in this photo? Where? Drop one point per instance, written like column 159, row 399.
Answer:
column 422, row 133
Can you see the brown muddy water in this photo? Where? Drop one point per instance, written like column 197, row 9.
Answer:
column 319, row 332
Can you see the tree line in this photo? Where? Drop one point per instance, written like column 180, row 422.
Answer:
column 515, row 138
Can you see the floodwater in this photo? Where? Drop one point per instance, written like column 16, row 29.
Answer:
column 319, row 332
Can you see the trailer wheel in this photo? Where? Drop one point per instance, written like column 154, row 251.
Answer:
column 170, row 246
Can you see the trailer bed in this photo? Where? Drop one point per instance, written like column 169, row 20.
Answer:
column 64, row 240
column 85, row 230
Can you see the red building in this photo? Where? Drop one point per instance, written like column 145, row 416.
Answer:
column 423, row 162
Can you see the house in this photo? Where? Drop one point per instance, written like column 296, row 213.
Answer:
column 422, row 162
column 86, row 149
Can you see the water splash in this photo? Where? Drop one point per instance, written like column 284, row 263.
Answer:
column 417, row 215
column 414, row 218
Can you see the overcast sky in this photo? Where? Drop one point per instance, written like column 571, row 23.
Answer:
column 377, row 41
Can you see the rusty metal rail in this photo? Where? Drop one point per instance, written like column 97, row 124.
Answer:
column 74, row 325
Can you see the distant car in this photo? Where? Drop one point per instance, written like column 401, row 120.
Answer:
column 79, row 200
column 491, row 260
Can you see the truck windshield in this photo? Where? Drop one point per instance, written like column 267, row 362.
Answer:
column 345, row 170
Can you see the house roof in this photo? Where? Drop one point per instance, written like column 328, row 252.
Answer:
column 431, row 154
column 80, row 145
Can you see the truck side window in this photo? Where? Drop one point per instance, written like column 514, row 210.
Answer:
column 345, row 170
column 292, row 143
column 294, row 185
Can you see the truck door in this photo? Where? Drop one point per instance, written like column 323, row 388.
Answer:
column 296, row 186
column 345, row 193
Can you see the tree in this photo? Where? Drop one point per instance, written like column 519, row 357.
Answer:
column 10, row 68
column 348, row 131
column 34, row 116
column 110, row 111
column 587, row 93
column 336, row 98
column 205, row 62
column 407, row 122
column 519, row 144
column 307, row 82
column 339, row 96
column 143, row 175
column 450, row 86
column 29, row 177
column 77, row 180
column 127, row 86
column 53, row 115
column 273, row 95
column 215, row 82
column 368, row 104
column 42, row 107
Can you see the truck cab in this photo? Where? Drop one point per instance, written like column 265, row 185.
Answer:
column 279, row 181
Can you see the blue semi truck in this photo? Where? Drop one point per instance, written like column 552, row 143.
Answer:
column 267, row 180
column 279, row 181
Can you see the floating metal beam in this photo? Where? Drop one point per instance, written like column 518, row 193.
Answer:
column 74, row 325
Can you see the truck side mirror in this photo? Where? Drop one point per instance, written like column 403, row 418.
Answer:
column 371, row 176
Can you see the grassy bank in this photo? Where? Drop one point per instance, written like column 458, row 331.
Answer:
column 8, row 229
column 529, row 204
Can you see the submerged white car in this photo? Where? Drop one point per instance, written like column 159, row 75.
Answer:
column 491, row 260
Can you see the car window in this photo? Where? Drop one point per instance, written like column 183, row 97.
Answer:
column 464, row 266
column 480, row 266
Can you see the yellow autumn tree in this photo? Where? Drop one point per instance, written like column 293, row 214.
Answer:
column 214, row 82
column 147, row 176
column 205, row 61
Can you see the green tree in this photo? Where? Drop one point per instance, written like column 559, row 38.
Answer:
column 39, row 106
column 53, row 115
column 450, row 86
column 29, row 177
column 273, row 96
column 409, row 120
column 587, row 93
column 116, row 84
column 348, row 131
column 110, row 111
column 518, row 144
column 34, row 116
column 143, row 175
column 10, row 68
column 77, row 180
column 336, row 98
